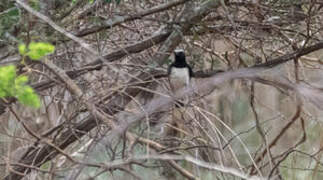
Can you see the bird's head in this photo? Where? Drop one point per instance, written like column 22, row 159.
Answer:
column 179, row 56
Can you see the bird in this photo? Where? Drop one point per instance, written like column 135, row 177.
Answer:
column 179, row 72
column 179, row 76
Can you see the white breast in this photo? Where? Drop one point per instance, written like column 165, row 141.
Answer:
column 179, row 77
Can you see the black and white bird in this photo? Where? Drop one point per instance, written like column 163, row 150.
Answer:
column 179, row 75
column 179, row 72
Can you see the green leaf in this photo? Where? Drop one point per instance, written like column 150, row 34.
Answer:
column 14, row 12
column 8, row 18
column 13, row 86
column 22, row 49
column 7, row 73
column 39, row 50
column 28, row 97
column 34, row 55
column 2, row 93
column 35, row 4
column 21, row 80
column 7, row 77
